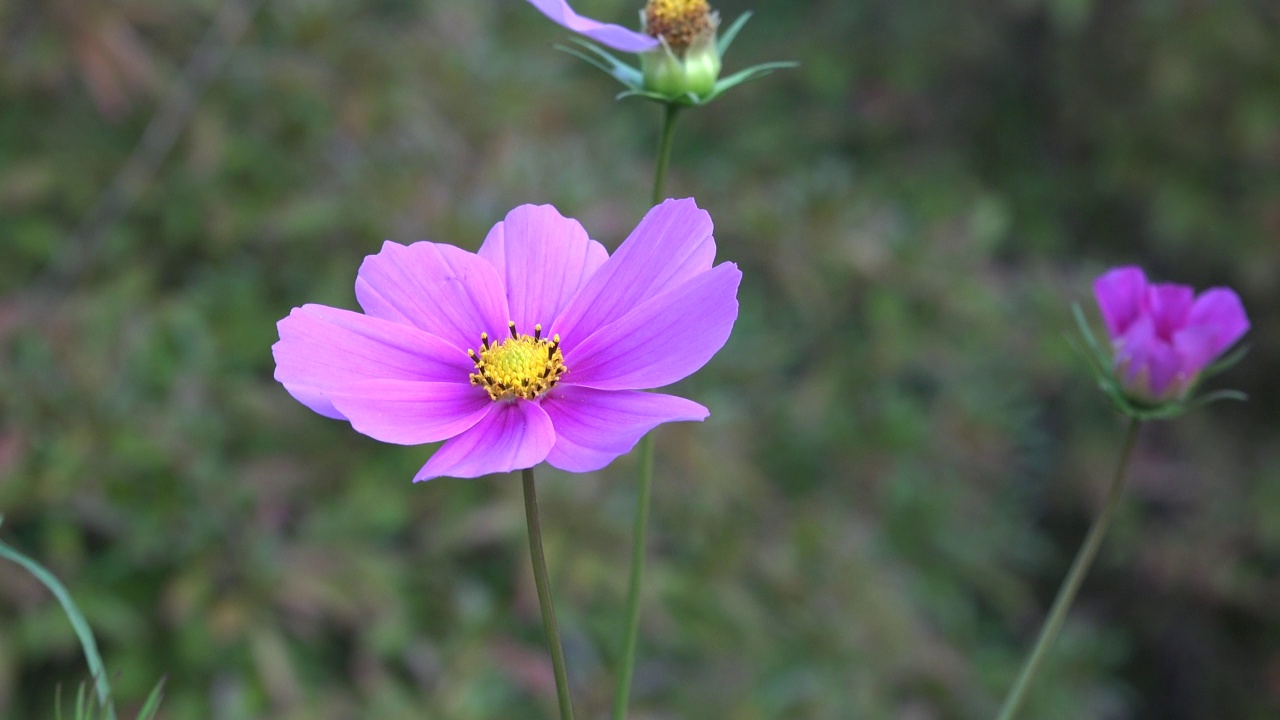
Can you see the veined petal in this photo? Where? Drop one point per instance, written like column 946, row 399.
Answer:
column 512, row 436
column 323, row 350
column 662, row 340
column 406, row 412
column 1121, row 293
column 595, row 426
column 441, row 289
column 672, row 244
column 614, row 36
column 543, row 259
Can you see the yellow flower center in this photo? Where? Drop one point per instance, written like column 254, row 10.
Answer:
column 522, row 366
column 679, row 22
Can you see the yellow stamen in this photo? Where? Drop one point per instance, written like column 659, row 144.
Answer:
column 679, row 22
column 524, row 366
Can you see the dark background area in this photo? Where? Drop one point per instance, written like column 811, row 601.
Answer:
column 903, row 452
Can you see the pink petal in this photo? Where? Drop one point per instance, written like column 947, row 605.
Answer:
column 1121, row 294
column 614, row 36
column 544, row 258
column 1148, row 364
column 1168, row 305
column 444, row 290
column 1220, row 311
column 595, row 426
column 662, row 340
column 513, row 436
column 324, row 349
column 670, row 245
column 406, row 412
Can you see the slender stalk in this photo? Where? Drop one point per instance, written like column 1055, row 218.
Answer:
column 78, row 623
column 544, row 595
column 1067, row 593
column 664, row 150
column 627, row 663
column 623, row 695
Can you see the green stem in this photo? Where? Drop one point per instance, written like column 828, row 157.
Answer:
column 544, row 595
column 627, row 663
column 623, row 694
column 664, row 150
column 78, row 622
column 1067, row 593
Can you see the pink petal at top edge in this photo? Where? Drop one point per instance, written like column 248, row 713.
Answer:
column 512, row 436
column 595, row 426
column 1120, row 293
column 543, row 259
column 672, row 244
column 663, row 340
column 440, row 289
column 1168, row 305
column 405, row 412
column 614, row 36
column 323, row 350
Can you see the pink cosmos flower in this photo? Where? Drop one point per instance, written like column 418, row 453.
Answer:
column 607, row 34
column 538, row 347
column 1163, row 335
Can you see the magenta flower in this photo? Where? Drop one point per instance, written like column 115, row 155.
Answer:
column 538, row 347
column 1164, row 335
column 607, row 34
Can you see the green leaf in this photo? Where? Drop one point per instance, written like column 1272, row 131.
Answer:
column 152, row 705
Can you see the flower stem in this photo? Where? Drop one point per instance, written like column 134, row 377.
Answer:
column 623, row 694
column 664, row 150
column 78, row 622
column 1067, row 593
column 544, row 595
column 627, row 662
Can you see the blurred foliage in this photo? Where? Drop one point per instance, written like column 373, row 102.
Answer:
column 903, row 452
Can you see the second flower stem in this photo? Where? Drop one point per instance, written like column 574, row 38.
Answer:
column 623, row 695
column 664, row 150
column 1067, row 593
column 544, row 595
column 627, row 662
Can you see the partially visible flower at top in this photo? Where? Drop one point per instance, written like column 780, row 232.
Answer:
column 537, row 347
column 1163, row 336
column 680, row 55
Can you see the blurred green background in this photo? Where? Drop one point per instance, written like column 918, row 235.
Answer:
column 903, row 452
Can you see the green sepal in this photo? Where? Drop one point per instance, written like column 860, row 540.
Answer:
column 603, row 60
column 726, row 39
column 752, row 73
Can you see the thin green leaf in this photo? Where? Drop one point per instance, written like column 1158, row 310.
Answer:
column 725, row 40
column 1227, row 362
column 152, row 705
column 1216, row 395
column 78, row 623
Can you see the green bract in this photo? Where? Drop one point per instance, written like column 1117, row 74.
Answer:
column 664, row 77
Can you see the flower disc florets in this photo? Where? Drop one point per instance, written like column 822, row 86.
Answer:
column 679, row 22
column 524, row 366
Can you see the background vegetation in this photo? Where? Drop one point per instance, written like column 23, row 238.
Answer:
column 903, row 452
